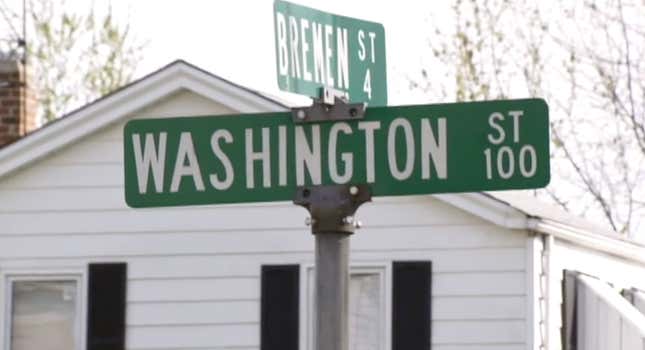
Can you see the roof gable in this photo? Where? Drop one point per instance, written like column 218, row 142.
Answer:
column 118, row 105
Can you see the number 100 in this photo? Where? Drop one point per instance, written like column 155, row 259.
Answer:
column 505, row 162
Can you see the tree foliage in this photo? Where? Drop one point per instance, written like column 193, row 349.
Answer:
column 75, row 56
column 587, row 59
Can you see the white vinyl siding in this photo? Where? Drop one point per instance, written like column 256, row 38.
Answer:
column 194, row 272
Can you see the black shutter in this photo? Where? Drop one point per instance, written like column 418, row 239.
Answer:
column 106, row 306
column 411, row 305
column 280, row 302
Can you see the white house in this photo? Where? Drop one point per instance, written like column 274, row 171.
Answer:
column 81, row 270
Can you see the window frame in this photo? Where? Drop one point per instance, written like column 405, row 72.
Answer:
column 383, row 269
column 9, row 277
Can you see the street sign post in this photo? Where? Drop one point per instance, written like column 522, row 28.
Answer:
column 317, row 52
column 442, row 148
column 315, row 49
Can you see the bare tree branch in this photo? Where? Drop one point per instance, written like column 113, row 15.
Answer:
column 587, row 182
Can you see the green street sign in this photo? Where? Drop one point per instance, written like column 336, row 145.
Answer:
column 315, row 49
column 462, row 147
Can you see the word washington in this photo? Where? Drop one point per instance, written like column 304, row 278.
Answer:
column 315, row 152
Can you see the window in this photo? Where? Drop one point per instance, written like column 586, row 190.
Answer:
column 389, row 306
column 43, row 312
column 79, row 308
column 367, row 309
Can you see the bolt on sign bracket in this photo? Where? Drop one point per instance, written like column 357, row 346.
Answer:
column 331, row 106
column 332, row 207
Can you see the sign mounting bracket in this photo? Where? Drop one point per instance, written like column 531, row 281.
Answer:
column 332, row 207
column 332, row 105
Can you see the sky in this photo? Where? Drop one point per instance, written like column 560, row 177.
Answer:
column 235, row 39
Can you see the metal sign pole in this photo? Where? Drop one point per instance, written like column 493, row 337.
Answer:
column 332, row 296
column 331, row 210
column 332, row 221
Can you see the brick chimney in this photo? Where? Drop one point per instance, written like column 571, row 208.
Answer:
column 17, row 101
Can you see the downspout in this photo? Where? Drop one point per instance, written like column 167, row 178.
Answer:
column 547, row 304
column 546, row 277
column 542, row 267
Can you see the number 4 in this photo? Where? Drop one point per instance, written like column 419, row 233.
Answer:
column 367, row 84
